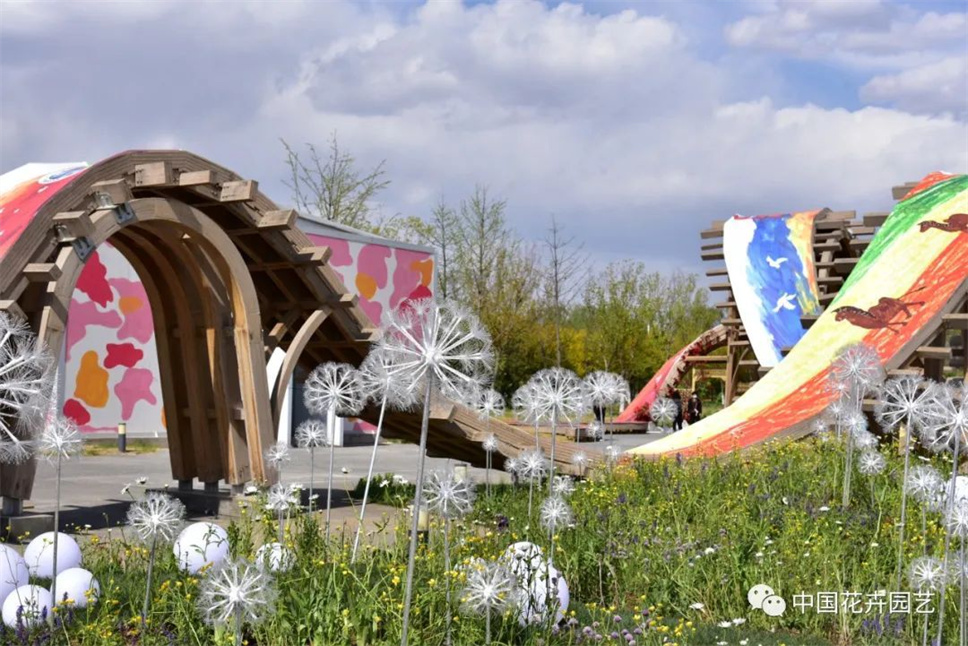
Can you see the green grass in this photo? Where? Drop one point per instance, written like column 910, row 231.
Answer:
column 110, row 447
column 668, row 548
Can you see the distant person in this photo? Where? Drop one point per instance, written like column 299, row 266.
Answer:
column 677, row 400
column 694, row 408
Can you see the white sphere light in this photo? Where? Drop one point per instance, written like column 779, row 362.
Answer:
column 536, row 606
column 275, row 556
column 13, row 571
column 35, row 601
column 79, row 587
column 201, row 544
column 39, row 555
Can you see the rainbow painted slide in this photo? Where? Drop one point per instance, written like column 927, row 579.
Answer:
column 915, row 266
column 671, row 372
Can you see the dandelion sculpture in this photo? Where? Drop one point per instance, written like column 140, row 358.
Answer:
column 956, row 522
column 156, row 517
column 560, row 396
column 580, row 460
column 333, row 389
column 663, row 412
column 489, row 589
column 234, row 593
column 533, row 466
column 855, row 372
column 380, row 384
column 26, row 383
column 871, row 463
column 927, row 574
column 488, row 403
column 277, row 456
column 604, row 389
column 311, row 435
column 281, row 499
column 526, row 406
column 438, row 346
column 563, row 486
column 59, row 441
column 450, row 497
column 555, row 515
column 925, row 485
column 947, row 429
column 903, row 404
column 490, row 446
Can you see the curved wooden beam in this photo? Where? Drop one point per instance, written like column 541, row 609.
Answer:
column 299, row 343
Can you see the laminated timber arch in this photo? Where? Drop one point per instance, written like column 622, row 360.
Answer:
column 229, row 278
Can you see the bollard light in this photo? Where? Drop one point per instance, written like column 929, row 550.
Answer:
column 123, row 437
column 423, row 524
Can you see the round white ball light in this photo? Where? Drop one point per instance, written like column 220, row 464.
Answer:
column 35, row 601
column 13, row 571
column 536, row 605
column 39, row 555
column 201, row 544
column 79, row 586
column 275, row 556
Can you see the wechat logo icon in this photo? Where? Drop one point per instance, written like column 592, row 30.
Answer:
column 763, row 597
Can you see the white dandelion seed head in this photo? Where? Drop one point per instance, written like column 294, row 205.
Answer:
column 282, row 497
column 26, row 388
column 334, row 386
column 312, row 434
column 488, row 588
column 612, row 454
column 947, row 418
column 563, row 486
column 859, row 367
column 378, row 381
column 488, row 403
column 923, row 482
column 903, row 400
column 927, row 573
column 234, row 588
column 513, row 465
column 438, row 340
column 603, row 388
column 278, row 454
column 560, row 394
column 956, row 518
column 595, row 430
column 871, row 463
column 156, row 517
column 525, row 403
column 556, row 514
column 580, row 459
column 533, row 465
column 820, row 426
column 838, row 411
column 490, row 443
column 59, row 439
column 447, row 495
column 663, row 412
column 863, row 439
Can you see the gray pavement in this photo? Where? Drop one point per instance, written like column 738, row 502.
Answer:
column 92, row 485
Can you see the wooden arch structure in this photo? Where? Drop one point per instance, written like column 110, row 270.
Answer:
column 229, row 278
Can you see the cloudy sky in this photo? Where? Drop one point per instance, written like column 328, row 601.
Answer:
column 635, row 123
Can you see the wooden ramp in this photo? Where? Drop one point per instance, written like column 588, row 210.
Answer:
column 457, row 432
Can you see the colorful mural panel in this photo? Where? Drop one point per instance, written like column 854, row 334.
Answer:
column 769, row 259
column 910, row 271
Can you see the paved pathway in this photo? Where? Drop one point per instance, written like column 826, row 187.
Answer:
column 91, row 486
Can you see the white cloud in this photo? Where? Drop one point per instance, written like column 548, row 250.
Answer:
column 613, row 123
column 936, row 86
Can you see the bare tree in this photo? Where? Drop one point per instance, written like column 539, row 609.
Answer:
column 331, row 188
column 482, row 235
column 443, row 236
column 568, row 265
